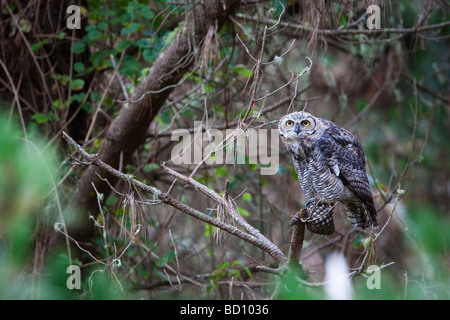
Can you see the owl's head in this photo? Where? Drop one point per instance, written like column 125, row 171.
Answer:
column 296, row 126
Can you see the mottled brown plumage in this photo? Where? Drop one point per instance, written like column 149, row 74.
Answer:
column 331, row 167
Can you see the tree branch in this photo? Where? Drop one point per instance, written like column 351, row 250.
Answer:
column 269, row 247
column 128, row 131
column 338, row 32
column 253, row 236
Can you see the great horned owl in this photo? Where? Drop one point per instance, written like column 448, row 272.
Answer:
column 331, row 167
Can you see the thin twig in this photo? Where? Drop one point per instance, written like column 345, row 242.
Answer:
column 16, row 97
column 180, row 289
column 337, row 32
column 59, row 228
column 116, row 69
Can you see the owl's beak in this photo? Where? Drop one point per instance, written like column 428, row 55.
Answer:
column 297, row 128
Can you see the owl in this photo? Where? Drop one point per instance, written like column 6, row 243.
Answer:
column 331, row 168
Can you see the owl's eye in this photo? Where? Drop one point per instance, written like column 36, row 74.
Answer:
column 289, row 123
column 305, row 123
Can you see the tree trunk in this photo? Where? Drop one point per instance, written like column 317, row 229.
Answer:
column 128, row 130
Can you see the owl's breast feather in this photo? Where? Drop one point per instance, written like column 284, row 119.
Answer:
column 296, row 150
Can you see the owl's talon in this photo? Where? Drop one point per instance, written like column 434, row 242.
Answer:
column 297, row 216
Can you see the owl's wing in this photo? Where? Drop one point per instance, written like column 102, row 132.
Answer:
column 345, row 157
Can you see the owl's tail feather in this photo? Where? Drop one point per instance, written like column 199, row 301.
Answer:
column 362, row 215
column 372, row 213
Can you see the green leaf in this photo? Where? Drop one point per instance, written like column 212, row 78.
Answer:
column 131, row 28
column 102, row 25
column 111, row 200
column 247, row 197
column 77, row 84
column 208, row 230
column 94, row 35
column 101, row 58
column 343, row 21
column 264, row 183
column 361, row 104
column 37, row 46
column 123, row 45
column 244, row 212
column 151, row 166
column 235, row 273
column 57, row 103
column 188, row 113
column 165, row 116
column 247, row 270
column 96, row 59
column 242, row 71
column 147, row 13
column 78, row 97
column 221, row 172
column 130, row 66
column 162, row 261
column 79, row 47
column 150, row 54
column 79, row 67
column 40, row 118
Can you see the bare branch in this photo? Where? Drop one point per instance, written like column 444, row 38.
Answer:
column 271, row 248
column 337, row 32
column 253, row 237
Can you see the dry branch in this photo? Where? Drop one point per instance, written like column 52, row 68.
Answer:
column 266, row 244
column 252, row 236
column 340, row 32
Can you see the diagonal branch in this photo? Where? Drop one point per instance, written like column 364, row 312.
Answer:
column 271, row 248
column 252, row 235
